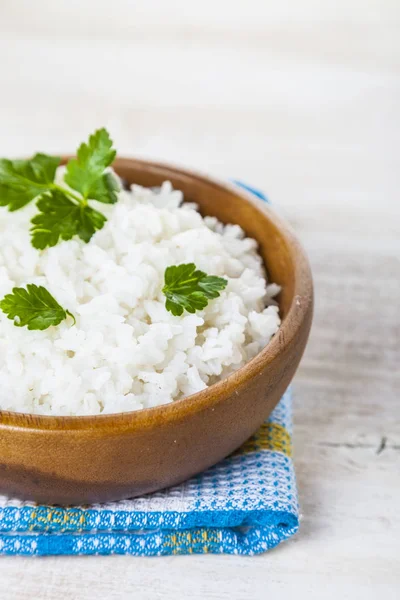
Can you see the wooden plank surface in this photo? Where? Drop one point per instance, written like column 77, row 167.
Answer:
column 301, row 99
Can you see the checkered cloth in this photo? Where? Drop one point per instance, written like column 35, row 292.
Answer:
column 246, row 504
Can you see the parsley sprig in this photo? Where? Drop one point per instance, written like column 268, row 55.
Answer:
column 63, row 211
column 33, row 307
column 60, row 217
column 24, row 180
column 187, row 288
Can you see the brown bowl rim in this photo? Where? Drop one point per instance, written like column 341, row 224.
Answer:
column 147, row 417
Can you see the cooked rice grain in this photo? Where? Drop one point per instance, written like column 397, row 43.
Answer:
column 126, row 351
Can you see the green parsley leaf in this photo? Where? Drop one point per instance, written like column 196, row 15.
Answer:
column 63, row 212
column 61, row 218
column 86, row 172
column 105, row 189
column 189, row 289
column 33, row 307
column 23, row 180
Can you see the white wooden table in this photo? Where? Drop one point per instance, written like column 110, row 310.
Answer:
column 301, row 99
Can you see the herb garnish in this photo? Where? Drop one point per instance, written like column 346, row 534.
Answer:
column 34, row 307
column 63, row 212
column 85, row 173
column 24, row 180
column 60, row 217
column 189, row 289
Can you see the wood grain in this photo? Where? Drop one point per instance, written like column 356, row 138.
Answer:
column 300, row 98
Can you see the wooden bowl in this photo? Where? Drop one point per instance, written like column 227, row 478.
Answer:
column 70, row 460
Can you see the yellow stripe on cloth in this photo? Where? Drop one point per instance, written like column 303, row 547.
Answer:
column 270, row 436
column 46, row 517
column 183, row 542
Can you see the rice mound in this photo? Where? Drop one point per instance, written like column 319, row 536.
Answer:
column 126, row 351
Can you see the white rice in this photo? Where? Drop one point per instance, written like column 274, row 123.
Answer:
column 126, row 351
